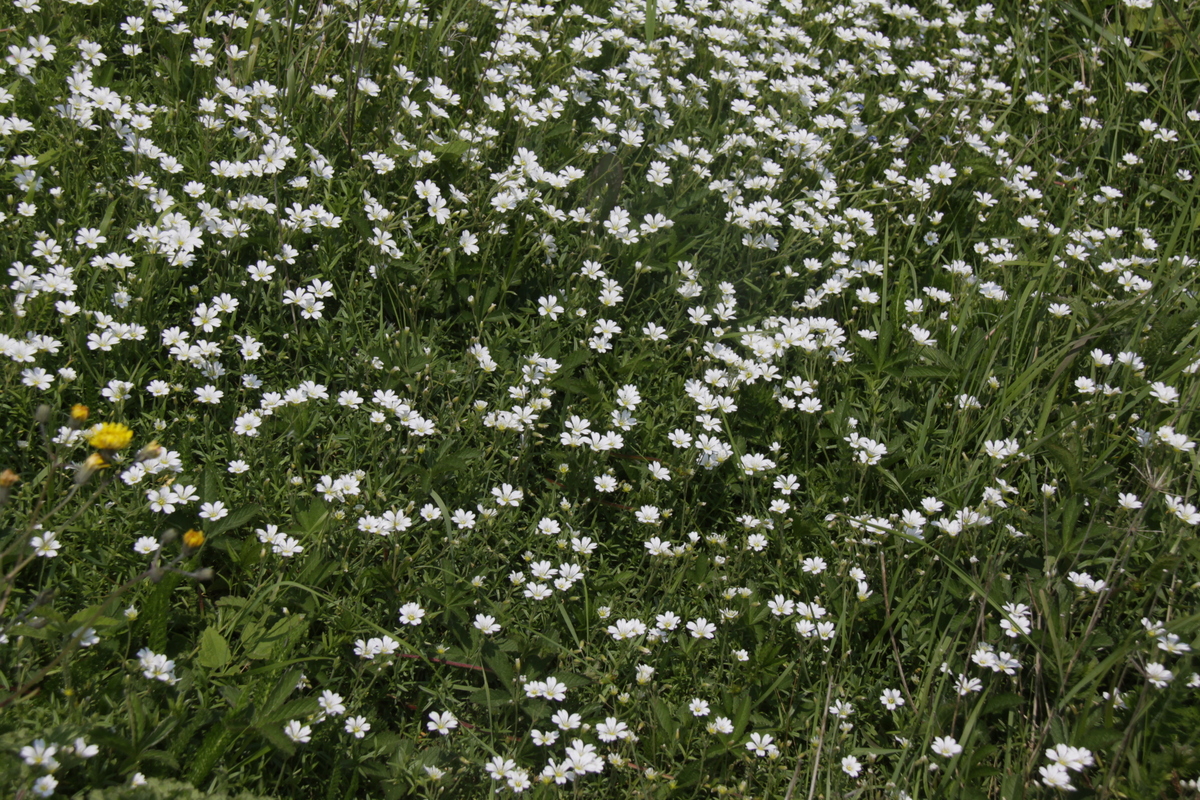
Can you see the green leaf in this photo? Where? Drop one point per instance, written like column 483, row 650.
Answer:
column 454, row 148
column 234, row 520
column 1002, row 702
column 273, row 719
column 499, row 664
column 689, row 775
column 218, row 740
column 273, row 642
column 313, row 518
column 210, row 485
column 214, row 650
column 741, row 714
column 1101, row 738
column 155, row 615
column 491, row 697
column 668, row 724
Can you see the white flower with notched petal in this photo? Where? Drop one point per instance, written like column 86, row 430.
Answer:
column 441, row 722
column 946, row 746
column 298, row 732
column 357, row 727
column 411, row 614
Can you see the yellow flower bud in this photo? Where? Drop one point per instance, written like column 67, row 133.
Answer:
column 94, row 463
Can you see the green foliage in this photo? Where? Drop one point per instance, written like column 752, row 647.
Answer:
column 166, row 789
column 752, row 399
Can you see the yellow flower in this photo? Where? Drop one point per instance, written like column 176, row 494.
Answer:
column 79, row 413
column 193, row 539
column 110, row 436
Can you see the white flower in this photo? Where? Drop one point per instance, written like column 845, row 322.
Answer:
column 1073, row 758
column 247, row 424
column 209, row 394
column 357, row 726
column 762, row 744
column 1171, row 643
column 1001, row 449
column 941, row 173
column 298, row 732
column 1163, row 393
column 213, row 511
column 922, row 337
column 85, row 750
column 946, row 746
column 1129, row 502
column 499, row 767
column 45, row 785
column 331, row 703
column 287, row 547
column 612, row 729
column 582, row 757
column 543, row 738
column 46, row 546
column 548, row 306
column 1159, row 675
column 518, row 781
column 146, row 545
column 506, row 495
column 40, row 754
column 441, row 722
column 649, row 515
column 156, row 667
column 720, row 725
column 1056, row 777
column 411, row 614
column 701, row 628
column 566, row 721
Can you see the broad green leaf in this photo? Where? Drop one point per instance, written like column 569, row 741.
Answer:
column 214, row 650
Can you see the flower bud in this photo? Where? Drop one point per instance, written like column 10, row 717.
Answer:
column 193, row 539
column 94, row 463
column 79, row 415
column 149, row 452
column 7, row 479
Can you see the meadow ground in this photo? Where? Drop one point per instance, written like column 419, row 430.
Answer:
column 670, row 398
